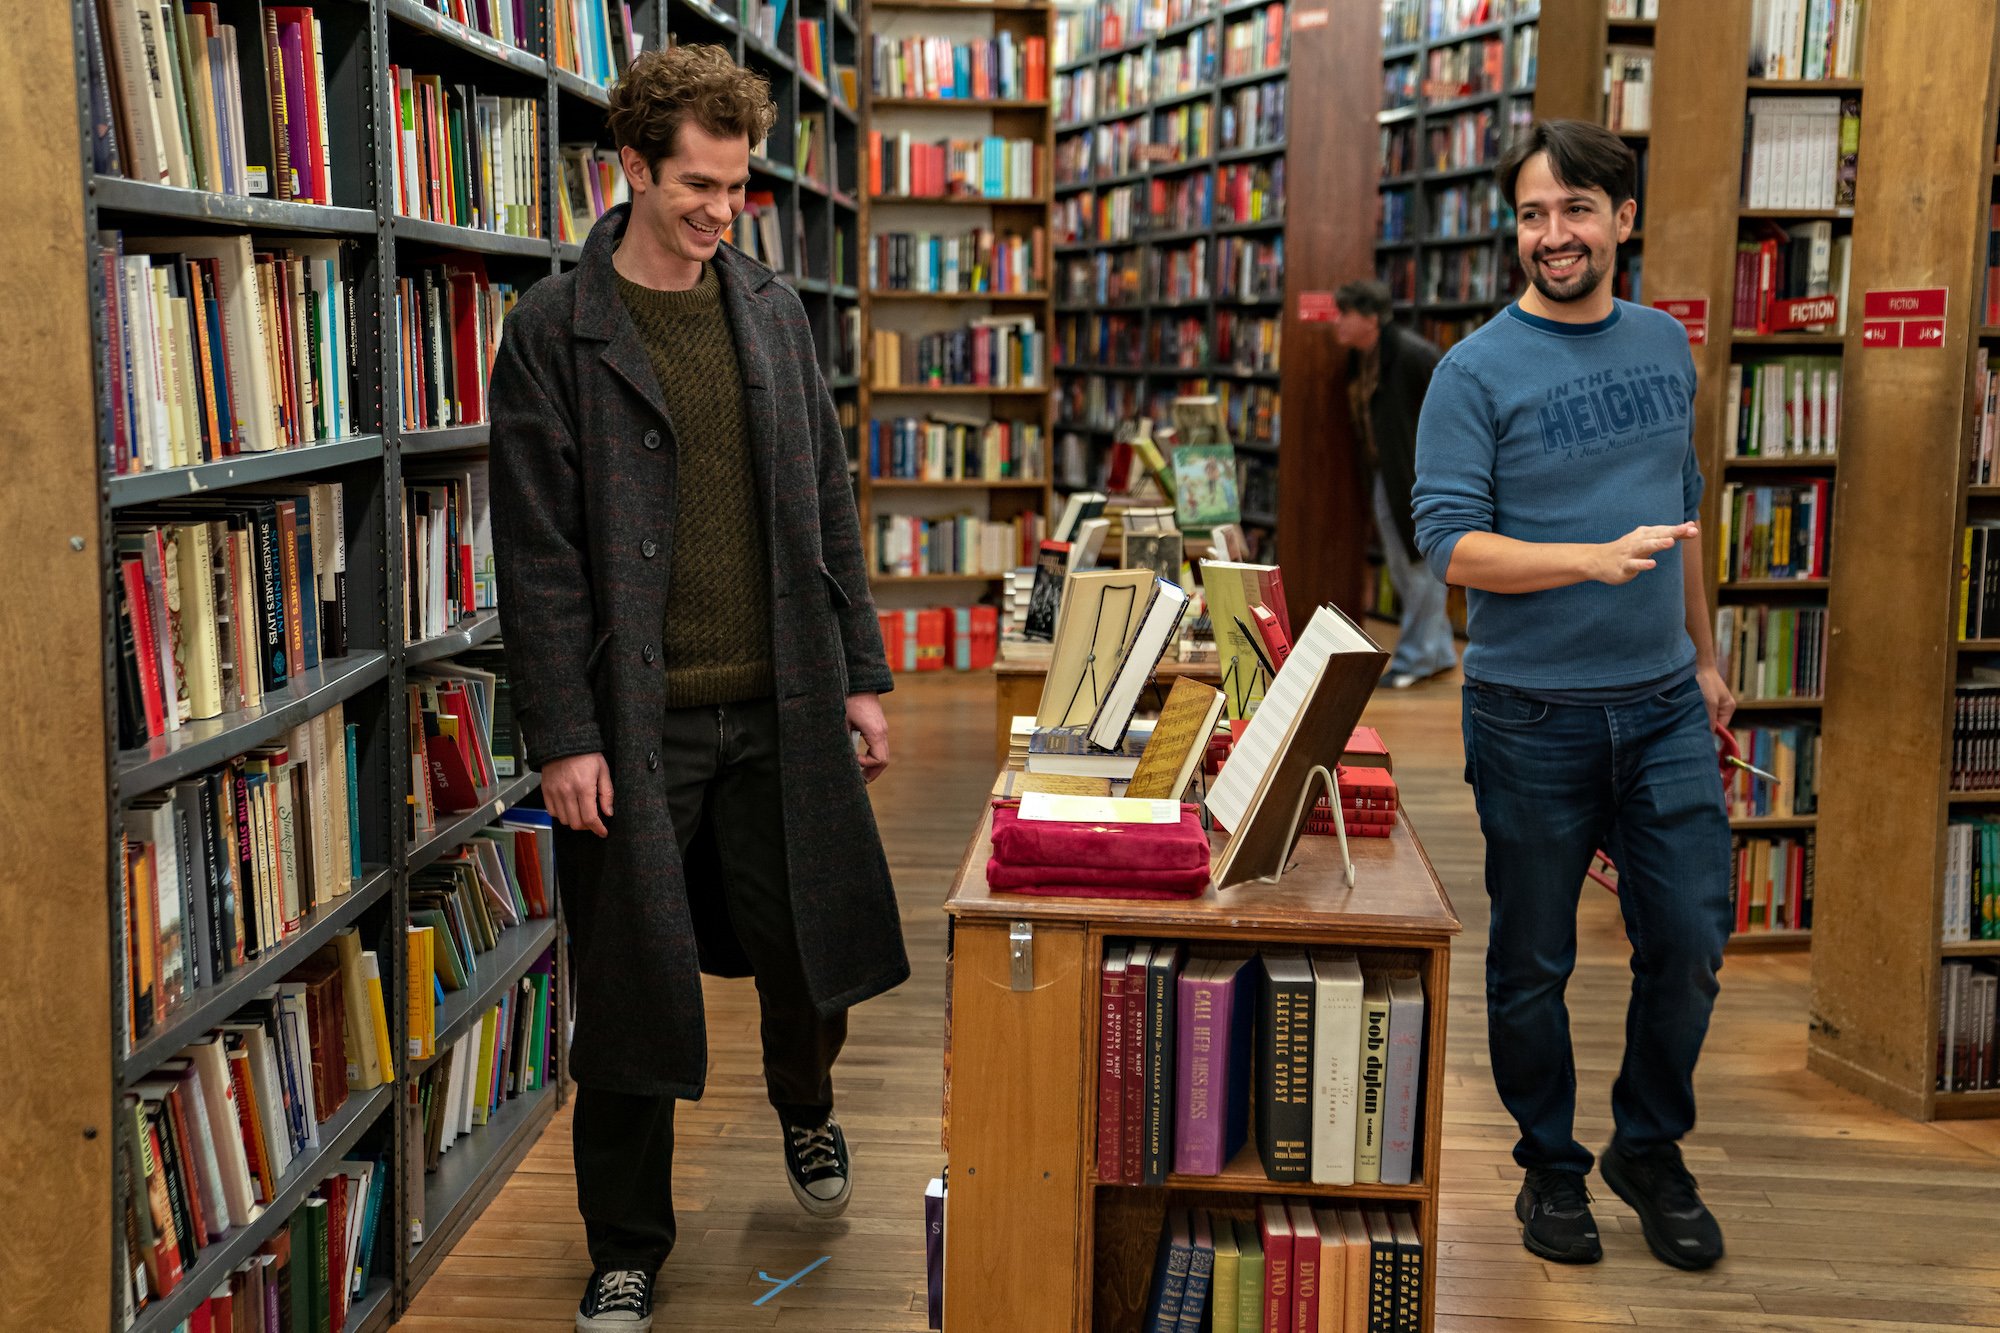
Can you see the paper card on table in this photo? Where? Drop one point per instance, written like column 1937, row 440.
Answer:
column 1051, row 808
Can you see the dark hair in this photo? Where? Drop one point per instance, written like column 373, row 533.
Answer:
column 1582, row 156
column 1363, row 296
column 668, row 86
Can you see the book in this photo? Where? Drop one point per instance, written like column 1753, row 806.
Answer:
column 934, row 1251
column 1099, row 613
column 1162, row 1016
column 1381, row 1271
column 1332, row 1276
column 1135, row 667
column 1274, row 1229
column 1133, row 1155
column 1249, row 1277
column 1335, row 1054
column 1170, row 1273
column 1211, row 1072
column 1051, row 564
column 1369, row 1121
column 1178, row 741
column 1409, row 1272
column 1205, row 486
column 1283, row 1065
column 1201, row 1275
column 1159, row 552
column 1403, row 1082
column 1224, row 1276
column 1305, row 1269
column 1111, row 1064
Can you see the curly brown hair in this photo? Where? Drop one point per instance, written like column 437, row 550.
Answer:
column 662, row 89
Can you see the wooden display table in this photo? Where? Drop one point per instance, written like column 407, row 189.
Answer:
column 1017, row 690
column 1033, row 1242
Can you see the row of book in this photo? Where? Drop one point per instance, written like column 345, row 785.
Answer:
column 908, row 545
column 593, row 185
column 1330, row 1055
column 179, row 97
column 975, row 262
column 1292, row 1268
column 223, row 599
column 1979, row 580
column 1001, row 67
column 1628, row 89
column 503, row 1055
column 448, row 562
column 1807, row 39
column 1470, row 210
column 455, row 708
column 816, row 60
column 1777, row 265
column 1972, row 879
column 1790, row 753
column 1801, row 152
column 1986, row 400
column 1254, row 117
column 1787, row 407
column 1975, row 733
column 448, row 319
column 999, row 351
column 221, row 868
column 945, row 448
column 939, row 638
column 210, row 1135
column 1467, row 139
column 1466, row 69
column 1777, row 530
column 1255, row 45
column 590, row 38
column 1771, row 887
column 758, row 230
column 1249, row 269
column 462, row 905
column 506, row 21
column 1771, row 652
column 223, row 350
column 464, row 159
column 1966, row 1026
column 987, row 168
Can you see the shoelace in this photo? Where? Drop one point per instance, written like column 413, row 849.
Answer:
column 814, row 1148
column 621, row 1290
column 1676, row 1190
column 1563, row 1194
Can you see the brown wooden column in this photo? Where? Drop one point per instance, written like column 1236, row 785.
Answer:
column 55, row 990
column 1330, row 175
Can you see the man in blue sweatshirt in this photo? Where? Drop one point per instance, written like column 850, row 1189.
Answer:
column 1557, row 483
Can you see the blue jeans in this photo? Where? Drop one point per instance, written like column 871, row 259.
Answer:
column 1553, row 782
column 1425, row 646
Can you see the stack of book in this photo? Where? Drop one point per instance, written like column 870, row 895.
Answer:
column 985, row 168
column 464, row 159
column 1256, row 44
column 944, row 448
column 1368, row 804
column 1966, row 1023
column 1775, row 531
column 448, row 563
column 590, row 38
column 1785, row 408
column 1772, row 652
column 1329, row 1055
column 1628, row 89
column 1975, row 735
column 907, row 544
column 1777, row 264
column 955, row 638
column 502, row 1055
column 757, row 231
column 940, row 69
column 1979, row 581
column 1806, row 39
column 506, row 20
column 448, row 319
column 978, row 261
column 593, row 185
column 1972, row 880
column 1773, row 884
column 1790, row 752
column 1346, row 1268
column 1801, row 152
column 999, row 352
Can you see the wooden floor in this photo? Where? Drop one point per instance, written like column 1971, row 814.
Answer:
column 1838, row 1216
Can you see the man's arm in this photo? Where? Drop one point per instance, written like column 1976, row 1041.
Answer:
column 1492, row 563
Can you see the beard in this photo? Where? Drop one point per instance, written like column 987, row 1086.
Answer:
column 1582, row 280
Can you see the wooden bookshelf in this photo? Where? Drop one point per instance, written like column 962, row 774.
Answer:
column 1146, row 381
column 1035, row 1242
column 915, row 313
column 58, row 536
column 1580, row 41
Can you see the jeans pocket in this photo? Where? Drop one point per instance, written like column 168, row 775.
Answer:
column 1681, row 693
column 1505, row 708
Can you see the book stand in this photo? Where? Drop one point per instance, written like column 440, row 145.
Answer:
column 1322, row 774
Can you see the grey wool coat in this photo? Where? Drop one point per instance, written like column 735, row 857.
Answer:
column 584, row 498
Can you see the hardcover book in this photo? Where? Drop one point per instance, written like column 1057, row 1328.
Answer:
column 1404, row 1079
column 1284, row 1066
column 1336, row 1053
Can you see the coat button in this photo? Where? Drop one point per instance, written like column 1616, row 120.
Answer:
column 649, row 548
column 652, row 760
column 652, row 440
column 647, row 653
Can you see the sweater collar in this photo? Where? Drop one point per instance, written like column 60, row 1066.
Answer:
column 1561, row 329
column 597, row 308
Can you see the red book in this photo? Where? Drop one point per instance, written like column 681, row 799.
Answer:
column 1305, row 1270
column 1275, row 1227
column 145, row 643
column 1135, row 1062
column 1111, row 1065
column 1366, row 750
column 467, row 277
column 1277, row 639
column 335, row 1189
column 1367, row 784
column 931, row 640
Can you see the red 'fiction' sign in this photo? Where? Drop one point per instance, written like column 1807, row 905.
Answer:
column 1317, row 308
column 1906, row 317
column 1909, row 303
column 1881, row 333
column 1692, row 312
column 1804, row 312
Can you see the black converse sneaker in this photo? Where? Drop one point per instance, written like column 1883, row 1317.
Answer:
column 1554, row 1209
column 816, row 1164
column 618, row 1300
column 1679, row 1228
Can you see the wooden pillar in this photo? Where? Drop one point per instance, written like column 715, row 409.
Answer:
column 55, row 991
column 1330, row 174
column 1569, row 61
column 1921, row 202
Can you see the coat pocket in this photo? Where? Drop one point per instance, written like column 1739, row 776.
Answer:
column 834, row 592
column 590, row 663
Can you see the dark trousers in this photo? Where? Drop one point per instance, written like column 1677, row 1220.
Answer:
column 721, row 765
column 1554, row 782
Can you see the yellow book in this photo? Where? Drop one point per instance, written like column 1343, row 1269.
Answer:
column 1965, row 585
column 484, row 1069
column 1099, row 616
column 364, row 1064
column 1019, row 782
column 378, row 1011
column 1236, row 646
column 1178, row 742
column 423, row 1018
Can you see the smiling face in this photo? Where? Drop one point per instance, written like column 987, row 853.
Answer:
column 1568, row 237
column 687, row 203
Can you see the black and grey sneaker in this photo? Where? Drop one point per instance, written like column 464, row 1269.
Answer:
column 1679, row 1228
column 816, row 1164
column 618, row 1300
column 1554, row 1209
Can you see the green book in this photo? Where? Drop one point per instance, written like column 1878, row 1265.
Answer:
column 1222, row 1298
column 295, row 1277
column 314, row 1276
column 1249, row 1279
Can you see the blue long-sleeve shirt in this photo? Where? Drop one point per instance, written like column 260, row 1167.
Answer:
column 1549, row 432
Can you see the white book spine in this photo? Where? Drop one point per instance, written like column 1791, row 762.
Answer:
column 1336, row 1051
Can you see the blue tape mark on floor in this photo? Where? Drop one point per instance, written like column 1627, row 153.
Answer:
column 762, row 1276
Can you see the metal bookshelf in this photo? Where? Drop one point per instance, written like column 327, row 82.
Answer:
column 1156, row 372
column 820, row 227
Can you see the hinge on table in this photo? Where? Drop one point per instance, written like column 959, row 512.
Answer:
column 1021, row 941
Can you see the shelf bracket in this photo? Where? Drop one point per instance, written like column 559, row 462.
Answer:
column 1021, row 950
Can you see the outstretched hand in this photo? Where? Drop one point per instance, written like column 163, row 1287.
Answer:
column 1629, row 556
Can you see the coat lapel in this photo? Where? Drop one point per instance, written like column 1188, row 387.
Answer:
column 752, row 324
column 599, row 315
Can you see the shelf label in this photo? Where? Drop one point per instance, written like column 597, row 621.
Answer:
column 1881, row 333
column 1302, row 19
column 1804, row 312
column 1905, row 303
column 1317, row 308
column 1692, row 313
column 1927, row 333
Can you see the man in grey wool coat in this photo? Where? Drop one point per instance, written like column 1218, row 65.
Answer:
column 691, row 639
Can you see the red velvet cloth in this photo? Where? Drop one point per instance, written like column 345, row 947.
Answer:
column 1070, row 860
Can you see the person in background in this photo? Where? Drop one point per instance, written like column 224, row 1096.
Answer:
column 1388, row 373
column 1557, row 481
column 692, row 642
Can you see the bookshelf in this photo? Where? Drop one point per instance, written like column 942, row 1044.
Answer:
column 1457, row 82
column 1035, row 1241
column 1919, row 220
column 1171, row 145
column 911, row 290
column 60, row 531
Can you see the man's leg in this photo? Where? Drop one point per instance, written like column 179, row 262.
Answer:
column 1425, row 645
column 1672, row 846
column 624, row 1144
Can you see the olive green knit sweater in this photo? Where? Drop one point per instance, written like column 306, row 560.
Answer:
column 717, row 636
